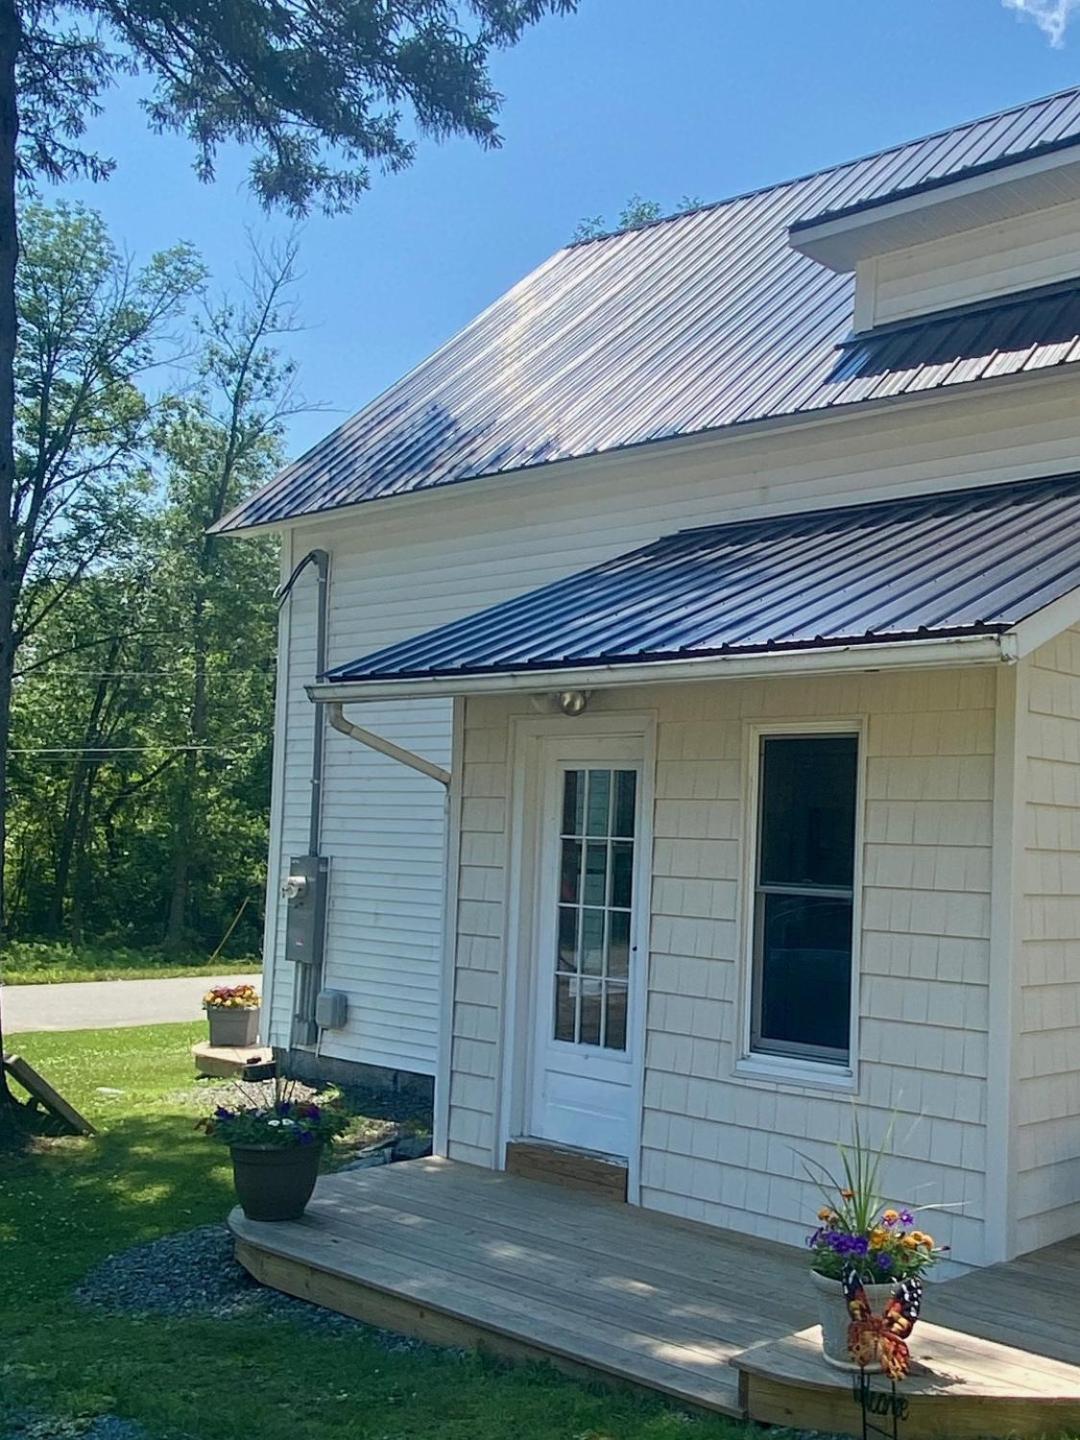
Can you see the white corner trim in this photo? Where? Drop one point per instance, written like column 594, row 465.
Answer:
column 448, row 968
column 1007, row 856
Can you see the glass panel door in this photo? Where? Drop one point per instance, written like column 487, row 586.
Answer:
column 595, row 900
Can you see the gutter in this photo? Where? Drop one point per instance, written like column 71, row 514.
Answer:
column 836, row 659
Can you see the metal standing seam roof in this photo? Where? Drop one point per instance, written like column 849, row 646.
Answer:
column 689, row 324
column 967, row 562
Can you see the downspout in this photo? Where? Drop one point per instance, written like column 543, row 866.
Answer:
column 305, row 889
column 321, row 560
column 336, row 715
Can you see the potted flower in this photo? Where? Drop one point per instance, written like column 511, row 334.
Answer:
column 276, row 1144
column 233, row 1013
column 862, row 1241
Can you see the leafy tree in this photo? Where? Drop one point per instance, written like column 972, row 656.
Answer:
column 636, row 212
column 315, row 89
column 221, row 441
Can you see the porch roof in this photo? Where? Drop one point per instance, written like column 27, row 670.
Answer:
column 959, row 565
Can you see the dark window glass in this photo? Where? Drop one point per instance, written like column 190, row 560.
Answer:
column 573, row 802
column 801, row 995
column 806, row 971
column 807, row 810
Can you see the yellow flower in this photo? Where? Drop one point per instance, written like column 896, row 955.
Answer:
column 878, row 1237
column 890, row 1217
column 909, row 1242
column 824, row 1213
column 928, row 1242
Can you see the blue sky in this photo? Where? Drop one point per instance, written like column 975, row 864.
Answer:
column 659, row 97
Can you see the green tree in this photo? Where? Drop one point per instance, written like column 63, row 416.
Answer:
column 220, row 442
column 315, row 89
column 636, row 212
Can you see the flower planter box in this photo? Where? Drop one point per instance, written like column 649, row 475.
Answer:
column 835, row 1319
column 233, row 1027
column 274, row 1182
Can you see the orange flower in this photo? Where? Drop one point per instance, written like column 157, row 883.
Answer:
column 909, row 1242
column 878, row 1237
column 928, row 1242
column 890, row 1217
column 847, row 1194
column 824, row 1213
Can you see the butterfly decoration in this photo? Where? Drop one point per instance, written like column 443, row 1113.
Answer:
column 882, row 1339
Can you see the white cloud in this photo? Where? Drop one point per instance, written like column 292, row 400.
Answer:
column 1051, row 16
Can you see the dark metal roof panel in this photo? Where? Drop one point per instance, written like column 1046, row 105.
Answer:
column 1036, row 128
column 963, row 562
column 701, row 321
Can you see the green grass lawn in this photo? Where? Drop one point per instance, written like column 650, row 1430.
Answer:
column 42, row 962
column 69, row 1203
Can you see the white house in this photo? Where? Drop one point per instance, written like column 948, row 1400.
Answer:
column 727, row 571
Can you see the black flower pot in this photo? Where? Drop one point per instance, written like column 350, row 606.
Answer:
column 274, row 1182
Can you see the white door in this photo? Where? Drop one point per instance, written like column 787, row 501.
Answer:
column 587, row 945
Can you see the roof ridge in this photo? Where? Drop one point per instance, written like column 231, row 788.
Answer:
column 821, row 170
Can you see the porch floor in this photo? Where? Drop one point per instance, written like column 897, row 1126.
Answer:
column 460, row 1255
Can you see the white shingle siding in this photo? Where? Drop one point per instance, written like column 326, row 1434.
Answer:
column 720, row 1147
column 1047, row 1092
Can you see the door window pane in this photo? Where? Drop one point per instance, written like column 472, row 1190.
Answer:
column 598, row 808
column 596, row 885
column 801, row 989
column 573, row 802
column 615, row 1018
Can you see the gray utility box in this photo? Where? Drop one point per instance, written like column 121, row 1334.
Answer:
column 305, row 890
column 331, row 1009
column 305, row 926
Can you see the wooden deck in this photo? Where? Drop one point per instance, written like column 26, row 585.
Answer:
column 459, row 1255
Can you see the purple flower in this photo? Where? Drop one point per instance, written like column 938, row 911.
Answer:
column 222, row 1114
column 306, row 1137
column 282, row 1107
column 859, row 1244
column 884, row 1262
column 906, row 1217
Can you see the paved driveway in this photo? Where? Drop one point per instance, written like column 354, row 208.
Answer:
column 101, row 1004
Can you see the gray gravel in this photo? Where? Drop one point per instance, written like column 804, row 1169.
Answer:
column 29, row 1426
column 194, row 1274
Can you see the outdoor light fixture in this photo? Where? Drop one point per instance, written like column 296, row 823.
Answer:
column 572, row 702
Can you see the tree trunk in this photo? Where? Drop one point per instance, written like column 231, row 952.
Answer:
column 10, row 39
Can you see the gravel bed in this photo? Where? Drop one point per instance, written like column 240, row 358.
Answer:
column 194, row 1274
column 29, row 1426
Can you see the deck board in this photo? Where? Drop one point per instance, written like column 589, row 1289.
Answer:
column 458, row 1254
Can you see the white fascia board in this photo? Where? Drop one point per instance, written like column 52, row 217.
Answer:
column 1045, row 624
column 837, row 659
column 839, row 243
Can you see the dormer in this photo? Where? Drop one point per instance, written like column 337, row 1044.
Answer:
column 982, row 234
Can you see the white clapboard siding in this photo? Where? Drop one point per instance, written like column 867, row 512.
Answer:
column 979, row 264
column 722, row 1148
column 402, row 566
column 1047, row 1102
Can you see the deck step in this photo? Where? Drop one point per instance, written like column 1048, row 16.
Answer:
column 601, row 1175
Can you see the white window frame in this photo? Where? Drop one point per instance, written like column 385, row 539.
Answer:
column 760, row 1064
